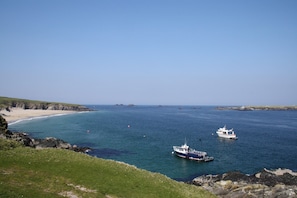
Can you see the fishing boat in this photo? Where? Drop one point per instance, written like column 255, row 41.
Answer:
column 184, row 151
column 226, row 133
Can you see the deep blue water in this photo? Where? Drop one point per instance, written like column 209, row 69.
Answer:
column 266, row 138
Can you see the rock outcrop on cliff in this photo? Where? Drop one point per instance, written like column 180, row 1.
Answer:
column 278, row 183
column 3, row 125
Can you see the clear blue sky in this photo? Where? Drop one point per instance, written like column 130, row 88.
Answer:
column 167, row 52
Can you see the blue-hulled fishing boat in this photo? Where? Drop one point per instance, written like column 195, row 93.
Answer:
column 184, row 151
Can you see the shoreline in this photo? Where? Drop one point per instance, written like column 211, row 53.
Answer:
column 16, row 115
column 279, row 182
column 258, row 108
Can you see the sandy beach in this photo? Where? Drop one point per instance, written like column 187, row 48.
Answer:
column 17, row 114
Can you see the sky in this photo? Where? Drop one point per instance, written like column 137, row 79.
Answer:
column 155, row 52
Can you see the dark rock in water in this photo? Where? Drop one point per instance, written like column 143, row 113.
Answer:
column 278, row 183
column 51, row 142
column 81, row 149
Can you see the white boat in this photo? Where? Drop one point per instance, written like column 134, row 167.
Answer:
column 226, row 133
column 184, row 151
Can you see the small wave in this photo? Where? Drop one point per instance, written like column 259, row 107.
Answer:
column 83, row 111
column 35, row 118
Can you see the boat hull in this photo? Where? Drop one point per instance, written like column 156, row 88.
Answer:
column 205, row 159
column 233, row 137
column 191, row 154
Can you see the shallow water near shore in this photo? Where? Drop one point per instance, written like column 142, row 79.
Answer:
column 144, row 135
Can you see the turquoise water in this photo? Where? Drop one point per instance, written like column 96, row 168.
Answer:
column 144, row 135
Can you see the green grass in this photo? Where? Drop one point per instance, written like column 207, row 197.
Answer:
column 9, row 144
column 27, row 172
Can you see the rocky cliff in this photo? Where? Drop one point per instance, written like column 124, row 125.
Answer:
column 8, row 103
column 3, row 125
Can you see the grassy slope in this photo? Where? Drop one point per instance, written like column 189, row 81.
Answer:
column 56, row 173
column 6, row 101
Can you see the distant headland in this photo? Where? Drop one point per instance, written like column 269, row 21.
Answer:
column 7, row 103
column 255, row 108
column 14, row 109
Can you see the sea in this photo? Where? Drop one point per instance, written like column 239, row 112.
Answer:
column 143, row 136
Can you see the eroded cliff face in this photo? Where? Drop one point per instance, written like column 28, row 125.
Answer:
column 48, row 106
column 8, row 103
column 3, row 125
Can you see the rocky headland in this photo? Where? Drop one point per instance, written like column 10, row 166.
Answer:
column 26, row 140
column 255, row 108
column 13, row 109
column 267, row 183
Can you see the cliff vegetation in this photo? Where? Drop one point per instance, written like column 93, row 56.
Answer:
column 8, row 103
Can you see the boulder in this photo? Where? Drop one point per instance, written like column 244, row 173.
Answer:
column 280, row 183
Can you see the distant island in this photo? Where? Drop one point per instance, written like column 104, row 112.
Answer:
column 255, row 108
